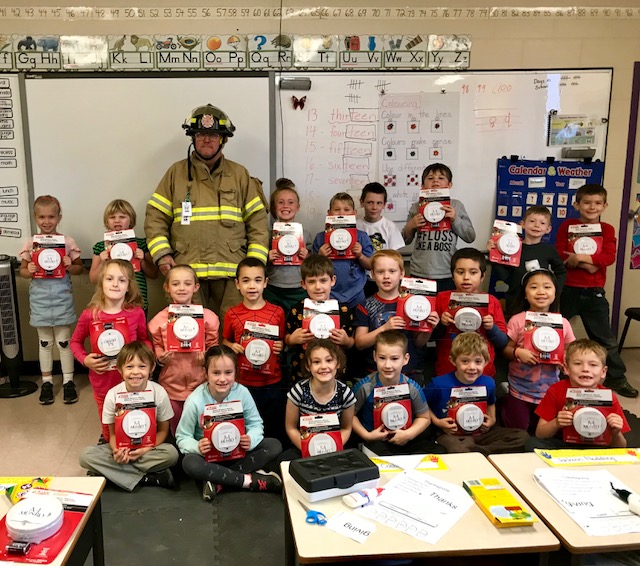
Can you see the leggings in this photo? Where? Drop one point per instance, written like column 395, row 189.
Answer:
column 232, row 474
column 61, row 335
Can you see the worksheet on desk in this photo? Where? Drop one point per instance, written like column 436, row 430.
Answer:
column 588, row 499
column 420, row 505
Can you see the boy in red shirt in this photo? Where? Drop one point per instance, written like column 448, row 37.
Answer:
column 265, row 388
column 468, row 268
column 584, row 362
column 583, row 293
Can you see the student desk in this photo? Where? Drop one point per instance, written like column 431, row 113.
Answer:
column 519, row 468
column 473, row 534
column 88, row 534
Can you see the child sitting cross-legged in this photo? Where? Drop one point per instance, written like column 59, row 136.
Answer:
column 469, row 354
column 387, row 438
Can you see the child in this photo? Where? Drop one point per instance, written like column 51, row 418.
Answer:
column 266, row 389
column 468, row 267
column 181, row 372
column 284, row 287
column 469, row 354
column 321, row 393
column 221, row 366
column 52, row 311
column 378, row 313
column 390, row 355
column 384, row 234
column 317, row 280
column 529, row 379
column 583, row 294
column 584, row 362
column 120, row 215
column 351, row 274
column 536, row 254
column 128, row 467
column 433, row 251
column 117, row 296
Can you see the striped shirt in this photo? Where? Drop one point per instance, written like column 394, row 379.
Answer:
column 302, row 397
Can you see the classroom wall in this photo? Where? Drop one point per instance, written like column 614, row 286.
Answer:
column 497, row 44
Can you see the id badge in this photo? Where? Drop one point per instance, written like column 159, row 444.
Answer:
column 186, row 213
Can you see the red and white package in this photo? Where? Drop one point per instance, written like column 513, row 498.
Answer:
column 467, row 407
column 430, row 206
column 590, row 408
column 135, row 419
column 122, row 244
column 544, row 335
column 508, row 245
column 185, row 328
column 47, row 253
column 223, row 425
column 468, row 309
column 341, row 234
column 258, row 340
column 321, row 317
column 586, row 239
column 392, row 407
column 320, row 434
column 417, row 301
column 288, row 239
column 107, row 338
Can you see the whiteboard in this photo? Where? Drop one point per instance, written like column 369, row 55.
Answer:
column 97, row 139
column 500, row 113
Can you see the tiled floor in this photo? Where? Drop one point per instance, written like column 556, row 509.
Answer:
column 38, row 440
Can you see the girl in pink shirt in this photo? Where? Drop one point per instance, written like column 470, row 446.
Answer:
column 181, row 372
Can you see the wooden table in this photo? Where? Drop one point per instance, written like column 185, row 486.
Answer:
column 519, row 468
column 88, row 533
column 473, row 534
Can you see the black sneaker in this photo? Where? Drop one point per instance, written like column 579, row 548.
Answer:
column 46, row 393
column 163, row 478
column 266, row 481
column 210, row 490
column 69, row 393
column 102, row 440
column 623, row 388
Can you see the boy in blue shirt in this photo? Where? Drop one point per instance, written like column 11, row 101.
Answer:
column 470, row 354
column 351, row 274
column 390, row 355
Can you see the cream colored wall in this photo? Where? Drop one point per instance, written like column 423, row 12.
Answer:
column 497, row 44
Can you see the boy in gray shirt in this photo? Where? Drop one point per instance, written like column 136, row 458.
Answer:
column 433, row 250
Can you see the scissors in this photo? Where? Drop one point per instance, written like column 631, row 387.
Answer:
column 314, row 517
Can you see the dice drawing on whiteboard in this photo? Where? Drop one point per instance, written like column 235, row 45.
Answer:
column 412, row 153
column 435, row 153
column 413, row 127
column 436, row 126
column 413, row 180
column 389, row 180
column 389, row 154
column 390, row 127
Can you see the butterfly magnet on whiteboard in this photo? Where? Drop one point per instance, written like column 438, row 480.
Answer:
column 298, row 102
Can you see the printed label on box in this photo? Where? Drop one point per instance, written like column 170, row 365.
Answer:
column 288, row 240
column 417, row 301
column 320, row 434
column 392, row 407
column 586, row 239
column 135, row 419
column 508, row 246
column 468, row 309
column 341, row 234
column 321, row 317
column 544, row 336
column 590, row 408
column 185, row 328
column 258, row 340
column 430, row 206
column 47, row 253
column 223, row 425
column 107, row 338
column 467, row 407
column 122, row 244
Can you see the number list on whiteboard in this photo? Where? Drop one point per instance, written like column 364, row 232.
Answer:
column 14, row 201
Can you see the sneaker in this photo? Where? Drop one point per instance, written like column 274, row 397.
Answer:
column 624, row 388
column 46, row 393
column 69, row 393
column 163, row 478
column 266, row 481
column 210, row 490
column 102, row 440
